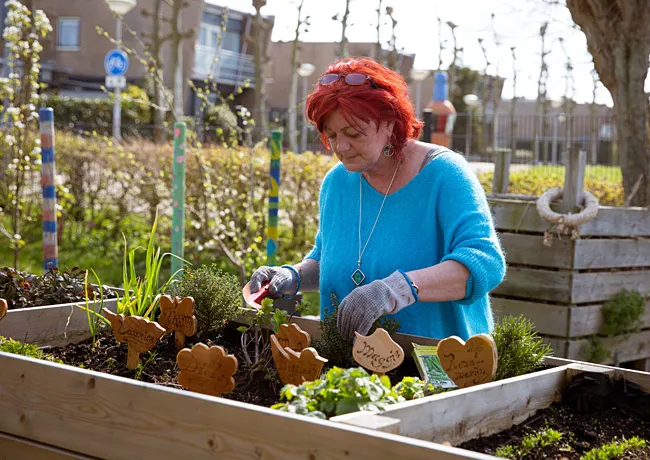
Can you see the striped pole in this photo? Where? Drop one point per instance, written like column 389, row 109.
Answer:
column 274, row 197
column 48, row 171
column 178, row 196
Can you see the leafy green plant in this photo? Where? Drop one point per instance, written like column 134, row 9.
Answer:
column 615, row 449
column 594, row 350
column 93, row 315
column 151, row 357
column 622, row 313
column 529, row 443
column 216, row 294
column 342, row 391
column 519, row 347
column 8, row 345
column 141, row 293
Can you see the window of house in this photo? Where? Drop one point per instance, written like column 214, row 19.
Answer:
column 67, row 34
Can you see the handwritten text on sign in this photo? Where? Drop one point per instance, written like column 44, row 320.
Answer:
column 296, row 367
column 469, row 363
column 377, row 352
column 177, row 314
column 139, row 333
column 207, row 370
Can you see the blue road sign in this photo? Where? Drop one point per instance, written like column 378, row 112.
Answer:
column 116, row 62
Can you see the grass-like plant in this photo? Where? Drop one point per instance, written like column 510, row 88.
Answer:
column 8, row 345
column 594, row 350
column 93, row 315
column 615, row 449
column 519, row 347
column 529, row 443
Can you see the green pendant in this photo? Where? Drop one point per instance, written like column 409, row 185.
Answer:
column 358, row 277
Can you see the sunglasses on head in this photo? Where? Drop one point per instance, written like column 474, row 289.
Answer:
column 353, row 79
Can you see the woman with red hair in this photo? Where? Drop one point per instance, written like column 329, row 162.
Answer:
column 405, row 228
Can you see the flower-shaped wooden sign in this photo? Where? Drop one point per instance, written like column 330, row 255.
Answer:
column 177, row 314
column 469, row 363
column 3, row 308
column 206, row 370
column 296, row 367
column 377, row 352
column 292, row 336
column 138, row 332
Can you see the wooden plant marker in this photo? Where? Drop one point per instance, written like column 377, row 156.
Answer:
column 138, row 332
column 296, row 367
column 177, row 314
column 377, row 352
column 292, row 336
column 469, row 363
column 4, row 307
column 207, row 370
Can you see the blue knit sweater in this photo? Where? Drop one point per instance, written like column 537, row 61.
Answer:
column 441, row 214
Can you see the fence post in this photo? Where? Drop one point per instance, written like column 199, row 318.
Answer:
column 427, row 116
column 48, row 172
column 574, row 180
column 501, row 179
column 178, row 197
column 274, row 197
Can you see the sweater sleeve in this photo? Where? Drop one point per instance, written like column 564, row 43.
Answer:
column 466, row 220
column 318, row 240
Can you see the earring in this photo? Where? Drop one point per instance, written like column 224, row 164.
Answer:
column 388, row 150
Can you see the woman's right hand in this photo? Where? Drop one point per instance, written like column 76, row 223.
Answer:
column 283, row 282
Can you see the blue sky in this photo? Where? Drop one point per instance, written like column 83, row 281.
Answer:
column 517, row 23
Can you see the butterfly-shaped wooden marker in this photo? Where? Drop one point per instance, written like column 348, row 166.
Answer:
column 206, row 370
column 296, row 367
column 469, row 363
column 377, row 352
column 177, row 314
column 292, row 336
column 138, row 332
column 3, row 308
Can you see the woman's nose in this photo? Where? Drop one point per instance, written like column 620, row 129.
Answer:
column 342, row 145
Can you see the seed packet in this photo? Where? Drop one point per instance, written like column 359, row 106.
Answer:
column 426, row 359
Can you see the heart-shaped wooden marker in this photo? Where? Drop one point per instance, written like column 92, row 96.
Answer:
column 4, row 307
column 377, row 352
column 296, row 367
column 292, row 336
column 177, row 315
column 469, row 363
column 206, row 370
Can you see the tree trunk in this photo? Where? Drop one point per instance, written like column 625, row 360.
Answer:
column 259, row 56
column 618, row 38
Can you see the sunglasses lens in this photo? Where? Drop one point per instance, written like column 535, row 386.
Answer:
column 355, row 79
column 329, row 78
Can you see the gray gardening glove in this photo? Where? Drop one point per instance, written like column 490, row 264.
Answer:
column 282, row 281
column 366, row 304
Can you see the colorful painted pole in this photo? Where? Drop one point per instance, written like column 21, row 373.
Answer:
column 48, row 171
column 274, row 197
column 178, row 197
column 444, row 113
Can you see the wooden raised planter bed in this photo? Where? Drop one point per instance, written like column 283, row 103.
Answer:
column 562, row 288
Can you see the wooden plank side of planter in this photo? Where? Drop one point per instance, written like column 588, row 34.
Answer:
column 611, row 253
column 460, row 415
column 587, row 320
column 54, row 325
column 112, row 417
column 630, row 347
column 522, row 216
column 536, row 284
column 13, row 448
column 548, row 319
column 602, row 286
column 525, row 249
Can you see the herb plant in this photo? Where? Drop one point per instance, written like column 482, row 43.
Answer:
column 519, row 347
column 25, row 349
column 622, row 313
column 342, row 391
column 616, row 449
column 216, row 294
column 529, row 443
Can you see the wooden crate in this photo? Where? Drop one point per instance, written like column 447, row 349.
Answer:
column 562, row 288
column 458, row 416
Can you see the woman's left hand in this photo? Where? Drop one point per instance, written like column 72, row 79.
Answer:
column 366, row 304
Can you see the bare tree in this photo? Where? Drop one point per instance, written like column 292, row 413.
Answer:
column 568, row 104
column 454, row 62
column 618, row 38
column 376, row 51
column 513, row 105
column 441, row 43
column 393, row 56
column 301, row 26
column 541, row 107
column 260, row 58
column 593, row 126
column 485, row 99
column 343, row 46
column 177, row 38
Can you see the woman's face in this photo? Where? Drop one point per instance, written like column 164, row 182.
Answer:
column 357, row 145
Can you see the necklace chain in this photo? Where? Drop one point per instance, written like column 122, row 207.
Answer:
column 358, row 275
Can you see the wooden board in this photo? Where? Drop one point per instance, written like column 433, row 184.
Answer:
column 13, row 448
column 611, row 253
column 629, row 347
column 602, row 286
column 522, row 216
column 112, row 417
column 55, row 325
column 536, row 284
column 524, row 249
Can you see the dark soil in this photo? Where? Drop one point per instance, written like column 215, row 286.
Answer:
column 256, row 386
column 593, row 412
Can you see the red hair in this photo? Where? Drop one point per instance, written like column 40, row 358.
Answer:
column 389, row 102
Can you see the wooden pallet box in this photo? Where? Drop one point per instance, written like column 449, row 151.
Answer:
column 562, row 288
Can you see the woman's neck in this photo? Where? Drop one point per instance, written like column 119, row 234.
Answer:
column 381, row 176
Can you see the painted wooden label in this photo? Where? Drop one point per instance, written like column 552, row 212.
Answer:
column 296, row 367
column 177, row 314
column 4, row 307
column 292, row 336
column 469, row 363
column 138, row 332
column 377, row 352
column 207, row 370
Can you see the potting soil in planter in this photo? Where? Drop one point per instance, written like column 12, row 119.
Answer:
column 594, row 411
